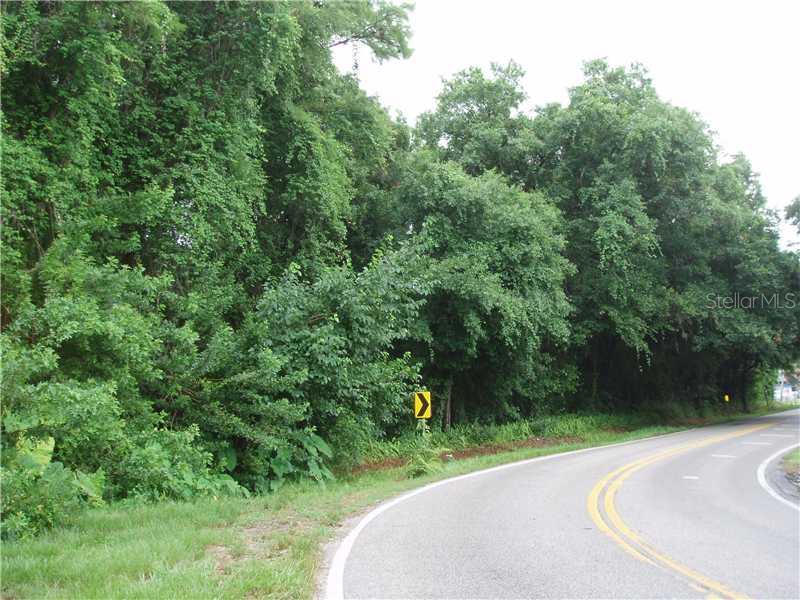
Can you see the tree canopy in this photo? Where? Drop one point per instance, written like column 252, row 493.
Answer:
column 225, row 265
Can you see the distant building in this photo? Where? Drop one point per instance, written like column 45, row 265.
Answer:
column 788, row 387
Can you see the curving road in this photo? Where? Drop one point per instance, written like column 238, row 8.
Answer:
column 685, row 515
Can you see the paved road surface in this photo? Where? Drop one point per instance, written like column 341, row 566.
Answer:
column 679, row 516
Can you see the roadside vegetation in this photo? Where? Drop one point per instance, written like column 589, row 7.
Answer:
column 268, row 546
column 225, row 268
column 791, row 461
column 791, row 466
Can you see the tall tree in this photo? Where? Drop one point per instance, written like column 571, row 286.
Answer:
column 496, row 309
column 478, row 122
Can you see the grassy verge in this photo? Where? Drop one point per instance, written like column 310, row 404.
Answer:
column 265, row 547
column 791, row 465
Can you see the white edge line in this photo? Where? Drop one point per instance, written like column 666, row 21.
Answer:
column 334, row 589
column 762, row 478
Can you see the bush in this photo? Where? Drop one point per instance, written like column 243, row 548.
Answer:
column 669, row 411
column 67, row 427
column 38, row 493
column 350, row 440
column 425, row 453
column 311, row 357
column 301, row 453
column 761, row 389
column 162, row 464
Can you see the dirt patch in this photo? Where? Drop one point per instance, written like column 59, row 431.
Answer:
column 689, row 422
column 485, row 450
column 262, row 540
column 531, row 442
column 539, row 442
column 379, row 465
column 222, row 557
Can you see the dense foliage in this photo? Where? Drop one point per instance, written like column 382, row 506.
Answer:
column 224, row 265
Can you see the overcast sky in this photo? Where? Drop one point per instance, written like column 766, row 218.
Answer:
column 735, row 63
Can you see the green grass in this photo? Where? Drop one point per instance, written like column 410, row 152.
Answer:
column 264, row 547
column 553, row 426
column 791, row 462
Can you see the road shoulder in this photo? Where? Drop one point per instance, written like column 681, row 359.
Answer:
column 779, row 479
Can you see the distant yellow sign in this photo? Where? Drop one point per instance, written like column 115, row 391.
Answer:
column 422, row 405
column 727, row 398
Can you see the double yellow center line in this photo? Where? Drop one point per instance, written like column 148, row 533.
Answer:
column 601, row 500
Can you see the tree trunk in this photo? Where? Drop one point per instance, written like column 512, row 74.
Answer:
column 448, row 407
column 595, row 375
column 742, row 385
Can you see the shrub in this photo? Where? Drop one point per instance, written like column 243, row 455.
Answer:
column 311, row 357
column 161, row 464
column 38, row 493
column 425, row 454
column 669, row 411
column 350, row 439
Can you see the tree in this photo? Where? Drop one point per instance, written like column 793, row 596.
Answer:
column 224, row 265
column 496, row 306
column 478, row 122
column 162, row 163
column 793, row 212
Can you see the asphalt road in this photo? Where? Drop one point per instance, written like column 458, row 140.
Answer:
column 678, row 516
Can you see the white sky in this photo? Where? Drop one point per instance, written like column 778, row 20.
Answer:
column 736, row 63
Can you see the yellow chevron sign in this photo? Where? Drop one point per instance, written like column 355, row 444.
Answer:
column 422, row 405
